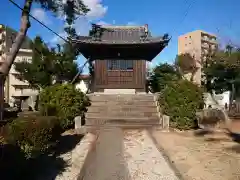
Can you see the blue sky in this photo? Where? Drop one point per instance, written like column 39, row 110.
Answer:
column 163, row 16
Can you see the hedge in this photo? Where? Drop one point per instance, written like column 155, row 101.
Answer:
column 180, row 100
column 23, row 141
column 33, row 135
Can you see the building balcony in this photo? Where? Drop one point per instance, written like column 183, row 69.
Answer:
column 213, row 41
column 13, row 71
column 2, row 48
column 2, row 37
column 19, row 83
column 205, row 45
column 25, row 51
column 14, row 81
column 24, row 92
column 1, row 28
column 207, row 39
column 2, row 58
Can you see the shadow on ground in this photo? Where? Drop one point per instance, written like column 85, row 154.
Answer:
column 235, row 148
column 202, row 132
column 233, row 135
column 13, row 164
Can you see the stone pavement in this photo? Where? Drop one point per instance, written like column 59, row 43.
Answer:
column 127, row 155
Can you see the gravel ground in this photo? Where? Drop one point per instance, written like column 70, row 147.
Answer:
column 211, row 157
column 144, row 160
column 127, row 155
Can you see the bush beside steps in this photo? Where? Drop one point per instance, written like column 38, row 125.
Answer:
column 181, row 100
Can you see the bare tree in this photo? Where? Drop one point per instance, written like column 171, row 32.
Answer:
column 186, row 63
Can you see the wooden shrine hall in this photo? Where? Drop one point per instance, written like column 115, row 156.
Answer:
column 119, row 55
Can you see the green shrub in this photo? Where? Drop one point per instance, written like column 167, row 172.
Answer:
column 32, row 135
column 180, row 101
column 65, row 102
column 162, row 75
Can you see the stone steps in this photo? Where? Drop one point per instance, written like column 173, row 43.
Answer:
column 123, row 103
column 118, row 120
column 121, row 97
column 126, row 108
column 122, row 110
column 121, row 114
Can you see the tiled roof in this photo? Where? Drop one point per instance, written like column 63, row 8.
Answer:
column 90, row 40
column 121, row 35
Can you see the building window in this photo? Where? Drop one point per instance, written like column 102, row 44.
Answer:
column 24, row 59
column 120, row 64
column 113, row 64
column 126, row 65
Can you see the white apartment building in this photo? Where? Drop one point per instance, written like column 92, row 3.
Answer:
column 14, row 88
column 198, row 44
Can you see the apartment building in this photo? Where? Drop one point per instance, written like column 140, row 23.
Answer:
column 14, row 88
column 199, row 44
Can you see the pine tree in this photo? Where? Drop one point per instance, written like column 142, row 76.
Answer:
column 48, row 66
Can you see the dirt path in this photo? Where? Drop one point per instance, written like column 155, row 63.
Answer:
column 213, row 157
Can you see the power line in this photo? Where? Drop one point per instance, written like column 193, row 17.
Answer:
column 38, row 51
column 15, row 4
column 185, row 15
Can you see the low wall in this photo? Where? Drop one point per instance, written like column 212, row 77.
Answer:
column 86, row 160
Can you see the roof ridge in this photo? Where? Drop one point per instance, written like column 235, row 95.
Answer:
column 121, row 27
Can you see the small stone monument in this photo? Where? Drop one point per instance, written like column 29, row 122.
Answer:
column 165, row 122
column 79, row 128
column 78, row 122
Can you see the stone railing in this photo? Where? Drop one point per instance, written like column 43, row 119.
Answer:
column 164, row 120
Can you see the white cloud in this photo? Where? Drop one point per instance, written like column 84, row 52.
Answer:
column 97, row 9
column 103, row 23
column 82, row 26
column 40, row 14
column 56, row 39
column 83, row 23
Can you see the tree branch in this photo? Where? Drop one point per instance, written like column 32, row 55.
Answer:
column 25, row 24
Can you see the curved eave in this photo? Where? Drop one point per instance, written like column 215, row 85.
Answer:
column 89, row 40
column 146, row 50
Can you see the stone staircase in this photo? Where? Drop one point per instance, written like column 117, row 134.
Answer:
column 122, row 110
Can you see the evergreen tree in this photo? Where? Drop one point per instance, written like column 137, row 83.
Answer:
column 48, row 66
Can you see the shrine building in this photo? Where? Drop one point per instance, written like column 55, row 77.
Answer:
column 119, row 55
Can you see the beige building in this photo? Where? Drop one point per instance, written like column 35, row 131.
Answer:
column 14, row 88
column 197, row 43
